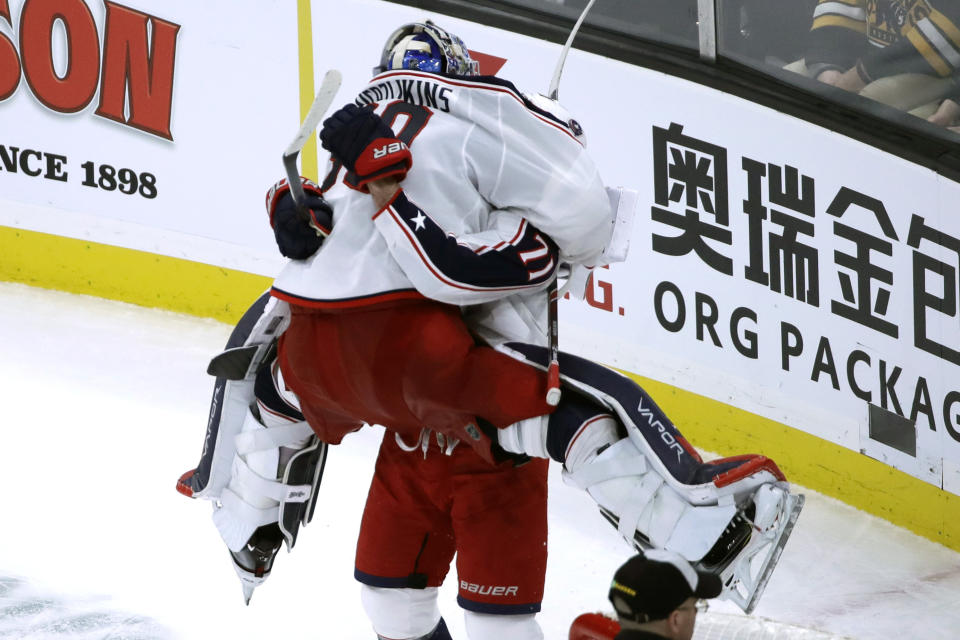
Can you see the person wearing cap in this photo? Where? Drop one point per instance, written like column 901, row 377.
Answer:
column 657, row 595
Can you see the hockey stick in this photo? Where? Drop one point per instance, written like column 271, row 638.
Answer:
column 328, row 90
column 553, row 322
column 555, row 81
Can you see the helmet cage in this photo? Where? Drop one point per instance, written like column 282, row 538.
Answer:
column 447, row 54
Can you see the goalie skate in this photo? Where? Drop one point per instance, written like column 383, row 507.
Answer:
column 746, row 574
column 255, row 560
column 749, row 549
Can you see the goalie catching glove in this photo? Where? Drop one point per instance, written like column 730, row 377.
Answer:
column 365, row 145
column 299, row 237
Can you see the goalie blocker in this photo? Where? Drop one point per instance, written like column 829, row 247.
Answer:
column 731, row 517
column 261, row 463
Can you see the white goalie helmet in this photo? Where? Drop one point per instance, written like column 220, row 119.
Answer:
column 423, row 46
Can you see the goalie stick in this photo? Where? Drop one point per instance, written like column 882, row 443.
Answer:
column 328, row 90
column 553, row 321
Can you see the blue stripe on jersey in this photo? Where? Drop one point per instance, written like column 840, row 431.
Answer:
column 527, row 262
column 413, row 581
column 498, row 609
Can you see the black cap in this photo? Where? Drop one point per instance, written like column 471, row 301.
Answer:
column 650, row 586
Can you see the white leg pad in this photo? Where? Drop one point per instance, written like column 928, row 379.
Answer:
column 401, row 613
column 485, row 626
column 622, row 483
column 253, row 495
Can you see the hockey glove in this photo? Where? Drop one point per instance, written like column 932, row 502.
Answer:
column 367, row 147
column 299, row 237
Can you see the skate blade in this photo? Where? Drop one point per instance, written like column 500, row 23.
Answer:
column 249, row 582
column 739, row 585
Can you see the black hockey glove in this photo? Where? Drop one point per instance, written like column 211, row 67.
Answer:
column 365, row 145
column 298, row 238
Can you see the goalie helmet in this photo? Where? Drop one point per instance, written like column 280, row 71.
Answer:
column 423, row 46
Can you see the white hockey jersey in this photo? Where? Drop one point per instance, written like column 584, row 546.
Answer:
column 497, row 189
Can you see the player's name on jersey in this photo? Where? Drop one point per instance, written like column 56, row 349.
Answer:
column 413, row 91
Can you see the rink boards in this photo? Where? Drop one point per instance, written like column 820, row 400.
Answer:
column 789, row 291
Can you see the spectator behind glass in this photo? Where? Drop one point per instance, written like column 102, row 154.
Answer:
column 903, row 53
column 657, row 595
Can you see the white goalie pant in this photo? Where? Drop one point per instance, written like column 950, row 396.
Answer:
column 411, row 614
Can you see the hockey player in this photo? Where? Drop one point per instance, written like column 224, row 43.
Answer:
column 424, row 507
column 501, row 192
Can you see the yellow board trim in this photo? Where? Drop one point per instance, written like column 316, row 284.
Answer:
column 308, row 156
column 79, row 266
column 146, row 279
column 823, row 466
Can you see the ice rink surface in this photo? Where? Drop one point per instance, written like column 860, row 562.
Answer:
column 104, row 406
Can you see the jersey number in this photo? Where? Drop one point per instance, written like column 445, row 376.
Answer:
column 416, row 119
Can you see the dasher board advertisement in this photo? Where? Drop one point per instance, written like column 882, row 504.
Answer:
column 776, row 266
column 149, row 125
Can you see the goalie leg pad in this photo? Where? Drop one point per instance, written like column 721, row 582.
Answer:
column 731, row 516
column 654, row 435
column 632, row 405
column 646, row 510
column 253, row 495
column 250, row 345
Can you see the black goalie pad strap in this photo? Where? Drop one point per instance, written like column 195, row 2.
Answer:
column 628, row 400
column 304, row 468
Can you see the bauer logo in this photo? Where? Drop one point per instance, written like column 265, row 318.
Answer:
column 487, row 590
column 387, row 149
column 66, row 65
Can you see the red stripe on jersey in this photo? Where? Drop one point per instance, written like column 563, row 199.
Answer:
column 522, row 229
column 385, row 298
column 479, row 85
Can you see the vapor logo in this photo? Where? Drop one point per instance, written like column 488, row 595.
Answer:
column 668, row 439
column 132, row 67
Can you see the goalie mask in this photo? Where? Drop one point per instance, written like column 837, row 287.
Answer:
column 423, row 46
